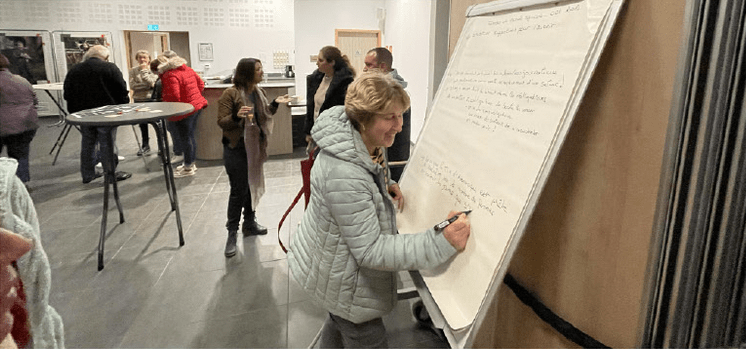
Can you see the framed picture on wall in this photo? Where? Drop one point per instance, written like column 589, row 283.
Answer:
column 205, row 51
column 26, row 53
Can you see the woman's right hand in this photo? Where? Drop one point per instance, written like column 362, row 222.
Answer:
column 245, row 112
column 457, row 233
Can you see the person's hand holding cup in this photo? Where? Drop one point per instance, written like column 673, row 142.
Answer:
column 247, row 113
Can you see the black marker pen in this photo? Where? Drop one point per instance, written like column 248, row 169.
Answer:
column 442, row 225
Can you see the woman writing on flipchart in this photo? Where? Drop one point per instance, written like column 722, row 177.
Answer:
column 346, row 252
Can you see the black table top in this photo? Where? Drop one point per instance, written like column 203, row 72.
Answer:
column 128, row 114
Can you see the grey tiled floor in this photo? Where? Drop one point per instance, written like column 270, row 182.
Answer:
column 154, row 293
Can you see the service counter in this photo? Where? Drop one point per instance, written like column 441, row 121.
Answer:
column 208, row 134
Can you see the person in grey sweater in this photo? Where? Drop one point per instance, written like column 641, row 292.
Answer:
column 142, row 82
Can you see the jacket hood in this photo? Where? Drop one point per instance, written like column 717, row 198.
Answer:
column 398, row 78
column 333, row 132
column 172, row 63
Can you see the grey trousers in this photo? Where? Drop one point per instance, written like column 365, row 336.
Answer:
column 340, row 333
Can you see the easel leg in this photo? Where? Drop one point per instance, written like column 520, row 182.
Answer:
column 60, row 141
column 139, row 147
column 62, row 114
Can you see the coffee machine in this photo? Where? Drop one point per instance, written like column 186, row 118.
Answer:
column 289, row 73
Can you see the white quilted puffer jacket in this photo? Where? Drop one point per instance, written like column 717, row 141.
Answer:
column 346, row 251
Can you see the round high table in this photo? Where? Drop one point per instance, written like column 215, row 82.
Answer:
column 153, row 113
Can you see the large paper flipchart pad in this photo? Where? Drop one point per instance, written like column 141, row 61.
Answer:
column 508, row 96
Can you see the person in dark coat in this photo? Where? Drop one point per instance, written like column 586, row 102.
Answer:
column 93, row 83
column 327, row 85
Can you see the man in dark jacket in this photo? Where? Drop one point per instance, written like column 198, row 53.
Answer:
column 90, row 84
column 380, row 59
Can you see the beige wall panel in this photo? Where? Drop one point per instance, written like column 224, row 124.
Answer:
column 207, row 133
column 458, row 19
column 281, row 141
column 585, row 250
column 356, row 44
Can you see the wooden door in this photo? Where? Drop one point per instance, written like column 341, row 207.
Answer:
column 356, row 43
column 153, row 42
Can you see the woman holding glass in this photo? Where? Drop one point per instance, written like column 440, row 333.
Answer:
column 245, row 116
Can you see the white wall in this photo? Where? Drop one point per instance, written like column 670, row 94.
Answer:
column 315, row 22
column 408, row 32
column 236, row 28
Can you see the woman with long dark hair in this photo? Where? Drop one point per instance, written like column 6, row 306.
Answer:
column 245, row 116
column 327, row 85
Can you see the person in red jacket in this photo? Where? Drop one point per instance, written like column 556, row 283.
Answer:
column 181, row 84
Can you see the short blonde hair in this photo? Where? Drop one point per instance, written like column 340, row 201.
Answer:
column 162, row 61
column 142, row 53
column 372, row 93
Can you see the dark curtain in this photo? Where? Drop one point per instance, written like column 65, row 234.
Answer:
column 696, row 274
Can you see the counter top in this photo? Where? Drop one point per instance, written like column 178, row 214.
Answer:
column 263, row 84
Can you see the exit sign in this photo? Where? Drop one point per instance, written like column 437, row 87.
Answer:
column 152, row 27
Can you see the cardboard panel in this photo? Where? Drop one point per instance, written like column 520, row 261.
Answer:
column 584, row 253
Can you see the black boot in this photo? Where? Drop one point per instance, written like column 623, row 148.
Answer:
column 251, row 227
column 230, row 245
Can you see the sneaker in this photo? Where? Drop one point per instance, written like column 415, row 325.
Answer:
column 143, row 151
column 177, row 159
column 181, row 167
column 185, row 171
column 120, row 158
column 99, row 166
